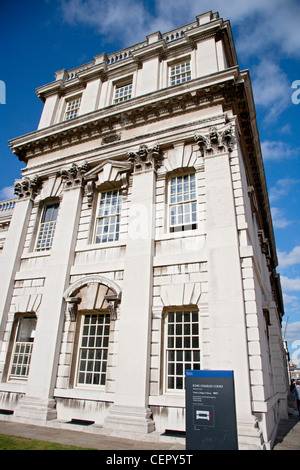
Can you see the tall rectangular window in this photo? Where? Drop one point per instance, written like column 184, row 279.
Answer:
column 183, row 203
column 180, row 73
column 93, row 352
column 108, row 216
column 182, row 347
column 47, row 227
column 22, row 349
column 122, row 93
column 72, row 109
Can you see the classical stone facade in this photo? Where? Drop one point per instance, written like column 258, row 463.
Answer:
column 141, row 244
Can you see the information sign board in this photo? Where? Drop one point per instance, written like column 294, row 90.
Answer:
column 210, row 410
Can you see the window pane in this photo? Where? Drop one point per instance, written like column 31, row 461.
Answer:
column 182, row 347
column 22, row 351
column 180, row 73
column 93, row 353
column 109, row 217
column 183, row 204
column 122, row 93
column 72, row 109
column 47, row 227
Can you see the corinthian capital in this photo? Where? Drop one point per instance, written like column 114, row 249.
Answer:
column 74, row 176
column 145, row 158
column 216, row 140
column 27, row 187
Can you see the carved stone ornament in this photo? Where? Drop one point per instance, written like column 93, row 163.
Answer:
column 72, row 308
column 74, row 176
column 113, row 303
column 27, row 187
column 145, row 158
column 217, row 140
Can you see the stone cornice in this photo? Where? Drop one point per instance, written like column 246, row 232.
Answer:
column 153, row 106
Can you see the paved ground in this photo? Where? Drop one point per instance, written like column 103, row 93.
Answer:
column 288, row 437
column 83, row 439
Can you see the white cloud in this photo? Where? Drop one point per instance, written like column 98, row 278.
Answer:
column 277, row 150
column 279, row 221
column 282, row 188
column 290, row 284
column 276, row 28
column 289, row 259
column 292, row 331
column 271, row 88
column 262, row 28
column 133, row 18
column 126, row 21
column 6, row 193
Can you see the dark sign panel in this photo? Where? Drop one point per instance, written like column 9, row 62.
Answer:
column 210, row 410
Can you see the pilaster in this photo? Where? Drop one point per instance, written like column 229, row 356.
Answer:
column 25, row 189
column 228, row 335
column 130, row 410
column 38, row 403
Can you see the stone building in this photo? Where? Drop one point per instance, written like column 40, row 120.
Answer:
column 141, row 244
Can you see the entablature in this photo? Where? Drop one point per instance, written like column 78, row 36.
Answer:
column 197, row 93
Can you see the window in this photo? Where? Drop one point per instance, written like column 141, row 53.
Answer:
column 183, row 203
column 72, row 109
column 47, row 227
column 122, row 92
column 180, row 73
column 22, row 349
column 108, row 216
column 182, row 347
column 93, row 352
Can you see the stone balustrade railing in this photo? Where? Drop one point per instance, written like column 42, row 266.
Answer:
column 7, row 207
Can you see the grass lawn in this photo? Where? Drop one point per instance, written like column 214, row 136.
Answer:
column 8, row 442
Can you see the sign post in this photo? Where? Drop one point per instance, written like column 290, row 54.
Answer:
column 210, row 410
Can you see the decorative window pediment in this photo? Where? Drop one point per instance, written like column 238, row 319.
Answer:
column 106, row 175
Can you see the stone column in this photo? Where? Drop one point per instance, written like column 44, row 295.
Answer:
column 38, row 403
column 25, row 189
column 130, row 411
column 229, row 349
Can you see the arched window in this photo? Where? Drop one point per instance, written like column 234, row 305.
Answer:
column 92, row 302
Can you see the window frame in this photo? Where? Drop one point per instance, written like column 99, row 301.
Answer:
column 183, row 227
column 166, row 348
column 79, row 347
column 179, row 63
column 97, row 217
column 21, row 378
column 68, row 102
column 39, row 232
column 124, row 97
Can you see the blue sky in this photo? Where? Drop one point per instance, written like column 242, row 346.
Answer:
column 40, row 37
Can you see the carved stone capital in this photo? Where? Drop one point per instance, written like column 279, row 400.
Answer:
column 215, row 141
column 145, row 158
column 74, row 176
column 27, row 187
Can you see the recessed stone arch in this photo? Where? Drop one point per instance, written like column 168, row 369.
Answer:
column 93, row 292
